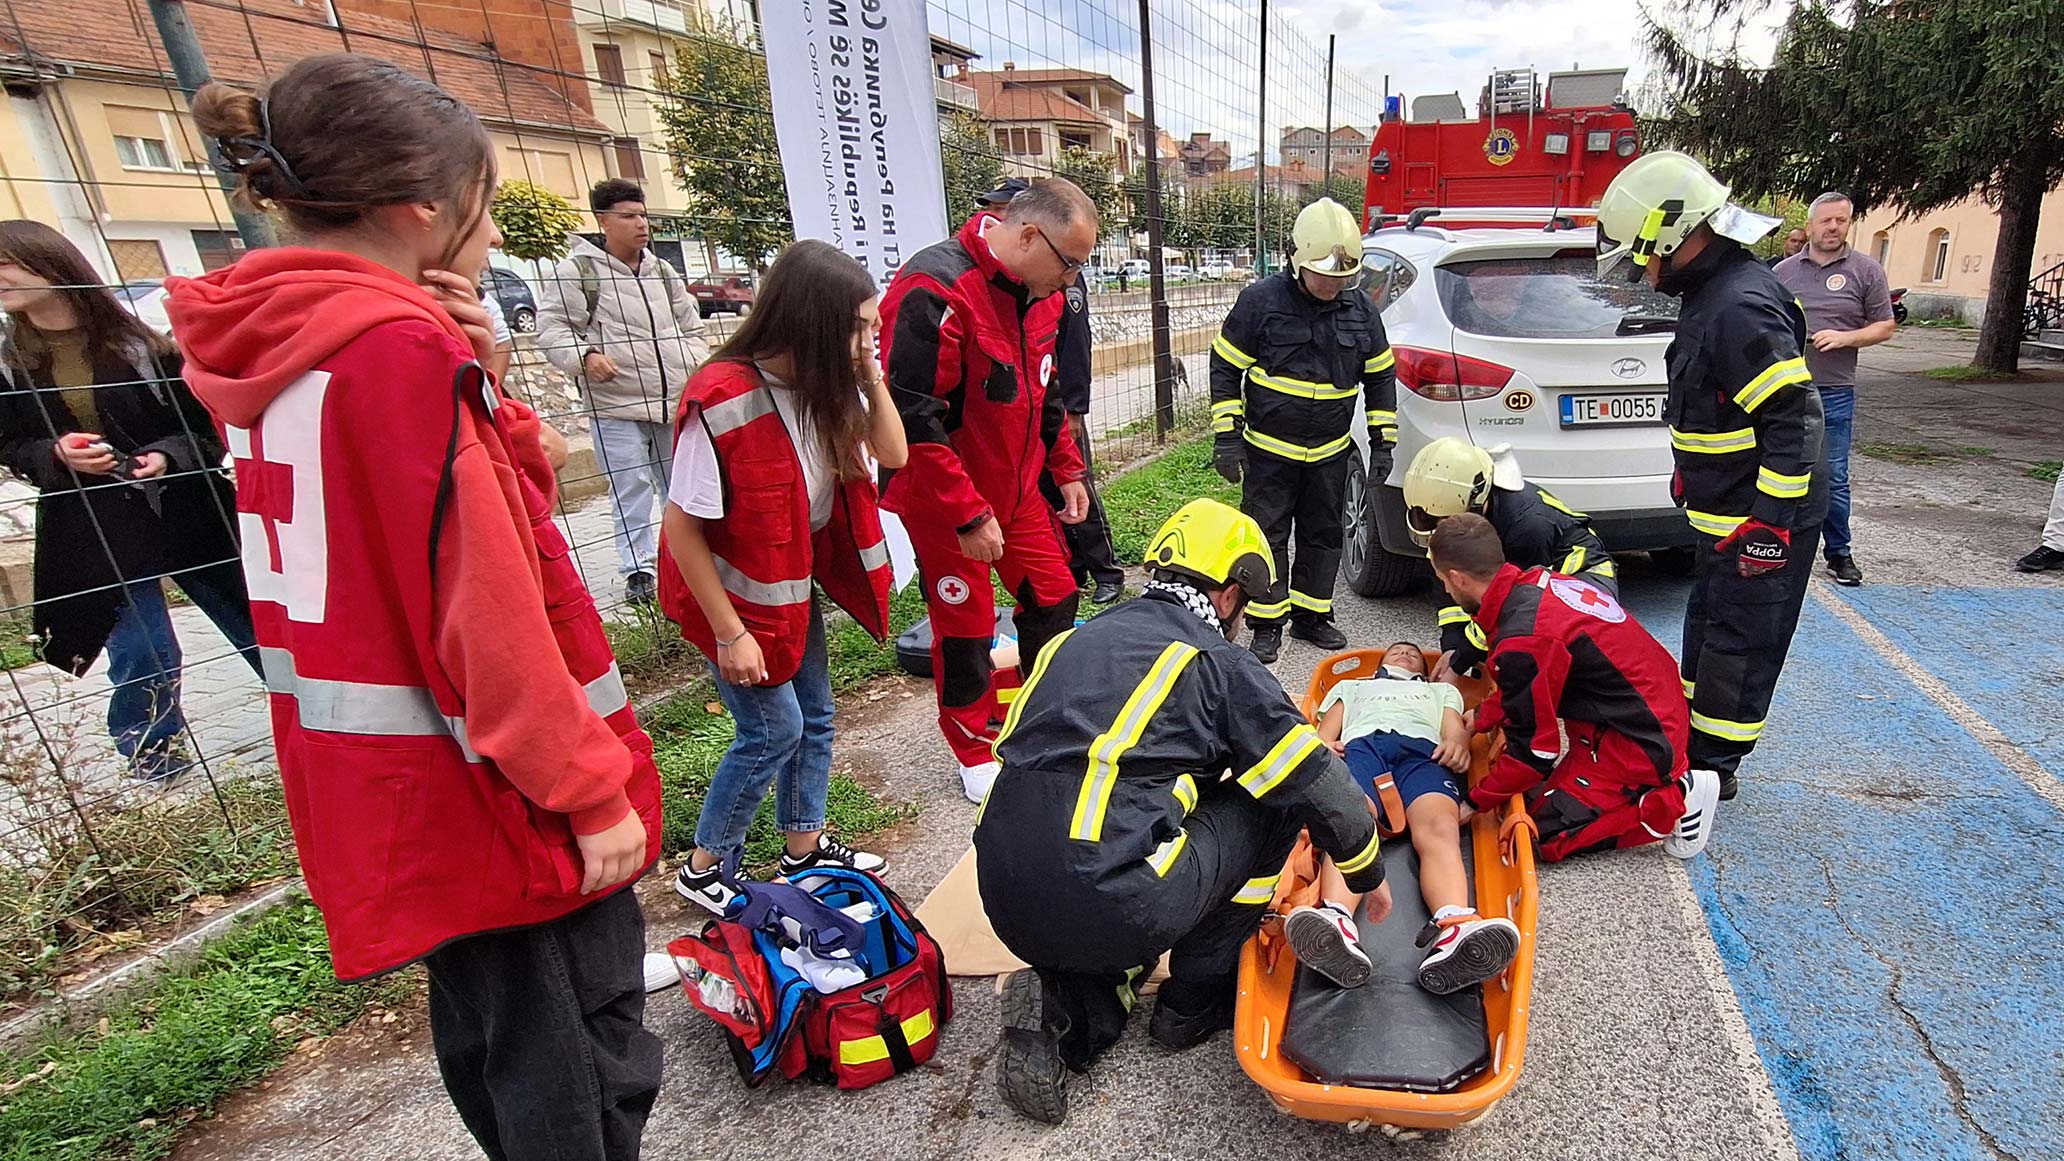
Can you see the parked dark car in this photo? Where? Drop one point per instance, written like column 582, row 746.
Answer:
column 513, row 295
column 732, row 295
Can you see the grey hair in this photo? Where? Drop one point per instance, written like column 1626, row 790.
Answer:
column 1054, row 202
column 1829, row 198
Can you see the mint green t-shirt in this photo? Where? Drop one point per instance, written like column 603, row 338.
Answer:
column 1412, row 708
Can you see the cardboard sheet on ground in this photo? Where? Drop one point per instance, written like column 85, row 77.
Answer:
column 953, row 914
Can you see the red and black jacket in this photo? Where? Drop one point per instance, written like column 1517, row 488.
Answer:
column 970, row 360
column 1564, row 650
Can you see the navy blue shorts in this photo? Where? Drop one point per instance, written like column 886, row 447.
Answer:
column 1408, row 760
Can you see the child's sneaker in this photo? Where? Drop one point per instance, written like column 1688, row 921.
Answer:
column 976, row 780
column 1467, row 951
column 660, row 972
column 1695, row 827
column 706, row 888
column 831, row 853
column 1325, row 940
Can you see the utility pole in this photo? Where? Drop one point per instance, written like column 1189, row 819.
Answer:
column 1157, row 287
column 1326, row 174
column 190, row 68
column 1261, row 154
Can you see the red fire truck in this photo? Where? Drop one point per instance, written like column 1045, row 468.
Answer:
column 1523, row 148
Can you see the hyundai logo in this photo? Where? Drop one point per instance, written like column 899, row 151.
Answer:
column 1629, row 368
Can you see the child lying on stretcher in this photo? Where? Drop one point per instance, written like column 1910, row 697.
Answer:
column 1401, row 724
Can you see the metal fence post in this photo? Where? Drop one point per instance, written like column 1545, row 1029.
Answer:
column 190, row 69
column 1261, row 154
column 1326, row 174
column 1157, row 286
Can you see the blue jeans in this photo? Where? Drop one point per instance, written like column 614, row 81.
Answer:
column 1838, row 404
column 144, row 661
column 784, row 738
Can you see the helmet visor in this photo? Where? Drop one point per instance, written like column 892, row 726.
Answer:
column 1616, row 259
column 1421, row 523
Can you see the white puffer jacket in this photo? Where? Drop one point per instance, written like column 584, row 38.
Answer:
column 644, row 319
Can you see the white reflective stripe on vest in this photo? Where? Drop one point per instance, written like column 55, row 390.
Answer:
column 767, row 593
column 736, row 412
column 875, row 555
column 398, row 711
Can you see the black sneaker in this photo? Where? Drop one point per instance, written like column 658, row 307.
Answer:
column 2043, row 559
column 1178, row 1030
column 1029, row 1074
column 1106, row 592
column 831, row 853
column 705, row 888
column 1267, row 644
column 1728, row 787
column 1322, row 633
column 1845, row 570
column 640, row 589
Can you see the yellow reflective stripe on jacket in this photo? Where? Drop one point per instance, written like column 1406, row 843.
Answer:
column 1288, row 753
column 1690, row 687
column 1291, row 451
column 1713, row 443
column 1302, row 388
column 1604, row 567
column 1164, row 855
column 1380, row 362
column 1185, row 791
column 1010, row 720
column 1549, row 499
column 1381, row 418
column 1309, row 603
column 872, row 1048
column 1225, row 411
column 1475, row 635
column 1777, row 376
column 1102, row 776
column 1713, row 525
column 1224, row 349
column 1574, row 562
column 1722, row 728
column 1363, row 857
column 1259, row 890
column 1453, row 615
column 1782, row 486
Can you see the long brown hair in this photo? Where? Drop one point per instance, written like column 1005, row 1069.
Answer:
column 808, row 308
column 106, row 324
column 341, row 133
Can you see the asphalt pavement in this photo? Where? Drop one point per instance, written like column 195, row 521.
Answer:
column 1863, row 965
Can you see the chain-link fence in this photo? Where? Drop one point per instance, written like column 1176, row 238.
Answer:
column 134, row 729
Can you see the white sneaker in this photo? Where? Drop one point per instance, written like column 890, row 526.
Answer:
column 831, row 853
column 705, row 888
column 1695, row 827
column 1325, row 939
column 1467, row 954
column 660, row 972
column 975, row 781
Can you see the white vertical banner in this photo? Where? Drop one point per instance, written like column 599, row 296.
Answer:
column 858, row 125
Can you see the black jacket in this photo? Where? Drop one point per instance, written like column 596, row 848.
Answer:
column 1745, row 421
column 94, row 532
column 1538, row 531
column 1072, row 350
column 1286, row 369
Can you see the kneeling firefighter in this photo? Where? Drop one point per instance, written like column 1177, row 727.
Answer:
column 1451, row 476
column 1151, row 790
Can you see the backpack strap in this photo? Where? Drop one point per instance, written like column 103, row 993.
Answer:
column 591, row 291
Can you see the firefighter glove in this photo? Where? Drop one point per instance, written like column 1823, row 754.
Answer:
column 1379, row 457
column 1759, row 548
column 1229, row 456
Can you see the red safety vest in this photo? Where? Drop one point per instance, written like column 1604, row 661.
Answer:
column 762, row 557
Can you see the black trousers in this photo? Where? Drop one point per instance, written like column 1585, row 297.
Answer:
column 1090, row 554
column 540, row 1035
column 1292, row 500
column 1737, row 631
column 1216, row 894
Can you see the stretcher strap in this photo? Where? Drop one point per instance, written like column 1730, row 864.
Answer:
column 1388, row 806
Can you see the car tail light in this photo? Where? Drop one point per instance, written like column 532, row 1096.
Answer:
column 1449, row 378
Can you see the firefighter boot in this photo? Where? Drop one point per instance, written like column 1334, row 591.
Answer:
column 1029, row 1073
column 1320, row 631
column 1267, row 643
column 1186, row 1015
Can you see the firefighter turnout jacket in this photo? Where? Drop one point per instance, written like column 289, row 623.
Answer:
column 1122, row 727
column 1745, row 421
column 1287, row 368
column 1538, row 531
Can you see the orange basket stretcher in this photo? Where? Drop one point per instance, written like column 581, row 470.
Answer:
column 1505, row 885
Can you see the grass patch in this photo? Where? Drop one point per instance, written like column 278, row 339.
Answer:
column 1140, row 501
column 1966, row 373
column 2046, row 471
column 124, row 1088
column 17, row 648
column 646, row 644
column 1938, row 324
column 1921, row 454
column 855, row 657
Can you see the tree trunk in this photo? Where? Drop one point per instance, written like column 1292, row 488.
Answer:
column 2013, row 259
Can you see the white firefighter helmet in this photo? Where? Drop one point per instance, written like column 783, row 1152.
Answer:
column 1326, row 240
column 1656, row 203
column 1448, row 477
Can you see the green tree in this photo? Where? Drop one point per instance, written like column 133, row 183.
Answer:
column 716, row 113
column 1094, row 172
column 536, row 223
column 970, row 164
column 1913, row 106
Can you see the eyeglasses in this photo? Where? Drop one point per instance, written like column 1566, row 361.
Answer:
column 1068, row 265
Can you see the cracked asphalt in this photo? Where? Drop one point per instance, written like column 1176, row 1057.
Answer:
column 1863, row 966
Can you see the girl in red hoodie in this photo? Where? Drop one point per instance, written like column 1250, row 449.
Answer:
column 467, row 784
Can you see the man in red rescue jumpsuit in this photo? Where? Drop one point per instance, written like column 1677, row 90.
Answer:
column 1565, row 656
column 970, row 325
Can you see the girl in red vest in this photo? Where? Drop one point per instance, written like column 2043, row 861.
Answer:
column 467, row 784
column 771, row 492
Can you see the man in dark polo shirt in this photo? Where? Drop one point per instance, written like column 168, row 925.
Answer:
column 1848, row 305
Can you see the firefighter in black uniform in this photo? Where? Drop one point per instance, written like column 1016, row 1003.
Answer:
column 1745, row 427
column 1110, row 836
column 1450, row 476
column 1290, row 361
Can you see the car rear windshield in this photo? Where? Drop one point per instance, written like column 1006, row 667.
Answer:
column 1559, row 297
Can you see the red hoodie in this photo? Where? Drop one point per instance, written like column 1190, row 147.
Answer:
column 443, row 732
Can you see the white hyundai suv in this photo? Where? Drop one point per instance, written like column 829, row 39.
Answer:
column 1505, row 335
